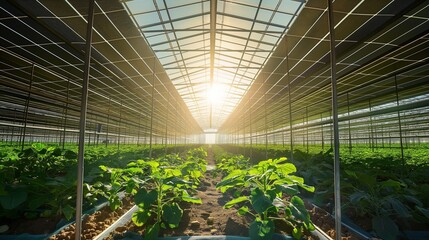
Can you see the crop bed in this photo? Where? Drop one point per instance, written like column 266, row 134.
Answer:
column 208, row 218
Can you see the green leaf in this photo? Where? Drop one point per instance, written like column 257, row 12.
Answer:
column 140, row 217
column 70, row 155
column 38, row 146
column 299, row 211
column 144, row 199
column 152, row 232
column 286, row 168
column 68, row 211
column 243, row 210
column 358, row 196
column 391, row 183
column 399, row 207
column 235, row 201
column 260, row 202
column 297, row 232
column 36, row 202
column 288, row 189
column 134, row 170
column 385, row 227
column 114, row 202
column 424, row 211
column 13, row 198
column 187, row 198
column 261, row 230
column 172, row 214
column 173, row 181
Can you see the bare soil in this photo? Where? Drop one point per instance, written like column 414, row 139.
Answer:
column 95, row 223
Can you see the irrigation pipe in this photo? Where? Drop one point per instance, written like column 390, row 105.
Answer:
column 118, row 223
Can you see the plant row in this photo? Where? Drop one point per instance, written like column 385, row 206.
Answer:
column 377, row 186
column 158, row 187
column 40, row 180
column 267, row 191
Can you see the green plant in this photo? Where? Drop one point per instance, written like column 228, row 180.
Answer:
column 270, row 190
column 158, row 200
column 383, row 201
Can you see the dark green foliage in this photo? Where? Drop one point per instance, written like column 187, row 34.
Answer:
column 268, row 188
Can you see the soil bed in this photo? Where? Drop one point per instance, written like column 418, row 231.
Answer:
column 209, row 218
column 95, row 223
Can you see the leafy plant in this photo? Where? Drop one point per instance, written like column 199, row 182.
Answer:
column 383, row 201
column 270, row 190
column 158, row 200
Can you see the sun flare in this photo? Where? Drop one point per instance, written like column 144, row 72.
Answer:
column 216, row 94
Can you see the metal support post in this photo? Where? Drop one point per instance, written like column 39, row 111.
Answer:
column 119, row 125
column 370, row 125
column 66, row 112
column 82, row 123
column 107, row 125
column 323, row 137
column 27, row 103
column 337, row 194
column 289, row 102
column 399, row 123
column 266, row 127
column 151, row 111
column 350, row 131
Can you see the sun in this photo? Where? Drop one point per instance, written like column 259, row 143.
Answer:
column 216, row 94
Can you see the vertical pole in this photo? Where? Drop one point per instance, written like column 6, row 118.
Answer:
column 323, row 137
column 138, row 132
column 266, row 127
column 107, row 125
column 119, row 125
column 306, row 123
column 290, row 102
column 151, row 111
column 244, row 137
column 94, row 140
column 370, row 125
column 251, row 134
column 66, row 112
column 399, row 123
column 337, row 195
column 13, row 128
column 350, row 131
column 27, row 103
column 82, row 123
column 166, row 131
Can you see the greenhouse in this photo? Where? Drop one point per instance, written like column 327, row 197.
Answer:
column 214, row 119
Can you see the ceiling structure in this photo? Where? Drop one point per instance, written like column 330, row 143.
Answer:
column 188, row 68
column 211, row 65
column 382, row 63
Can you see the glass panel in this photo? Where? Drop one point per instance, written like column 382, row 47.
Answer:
column 241, row 48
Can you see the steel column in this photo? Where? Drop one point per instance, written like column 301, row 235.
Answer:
column 350, row 131
column 151, row 111
column 66, row 112
column 337, row 195
column 27, row 103
column 289, row 102
column 82, row 124
column 399, row 123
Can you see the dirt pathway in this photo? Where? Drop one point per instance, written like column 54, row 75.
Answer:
column 210, row 218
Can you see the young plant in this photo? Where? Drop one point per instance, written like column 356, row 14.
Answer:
column 158, row 201
column 270, row 190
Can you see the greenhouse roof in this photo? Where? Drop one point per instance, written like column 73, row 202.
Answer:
column 213, row 65
column 167, row 63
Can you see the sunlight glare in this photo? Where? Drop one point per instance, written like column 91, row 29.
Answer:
column 216, row 94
